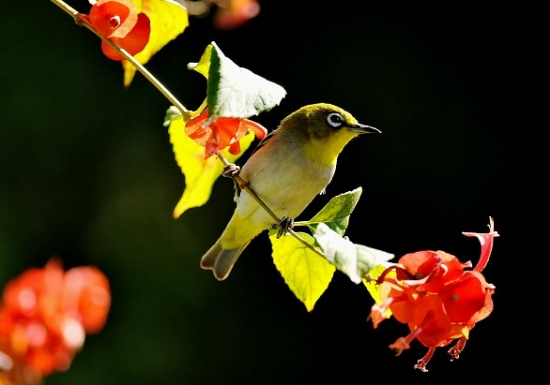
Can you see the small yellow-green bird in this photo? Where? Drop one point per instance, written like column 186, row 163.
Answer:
column 293, row 164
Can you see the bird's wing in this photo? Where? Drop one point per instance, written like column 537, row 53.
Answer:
column 263, row 141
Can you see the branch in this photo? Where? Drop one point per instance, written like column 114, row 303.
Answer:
column 82, row 20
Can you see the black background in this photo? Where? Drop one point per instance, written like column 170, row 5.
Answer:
column 88, row 175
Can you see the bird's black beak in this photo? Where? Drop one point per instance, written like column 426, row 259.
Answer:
column 363, row 128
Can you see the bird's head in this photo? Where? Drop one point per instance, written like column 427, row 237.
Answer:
column 323, row 130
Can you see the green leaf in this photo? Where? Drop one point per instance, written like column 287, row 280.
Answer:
column 305, row 272
column 368, row 258
column 354, row 260
column 338, row 250
column 337, row 211
column 234, row 91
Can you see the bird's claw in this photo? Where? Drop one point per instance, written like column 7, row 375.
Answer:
column 284, row 225
column 231, row 170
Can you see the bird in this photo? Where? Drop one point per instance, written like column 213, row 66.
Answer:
column 289, row 167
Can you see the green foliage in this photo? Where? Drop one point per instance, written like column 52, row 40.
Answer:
column 304, row 271
column 234, row 91
column 337, row 211
column 356, row 261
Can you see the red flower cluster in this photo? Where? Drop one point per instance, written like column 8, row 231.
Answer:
column 44, row 317
column 439, row 300
column 221, row 133
column 118, row 21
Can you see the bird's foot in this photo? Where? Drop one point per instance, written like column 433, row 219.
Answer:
column 231, row 170
column 284, row 225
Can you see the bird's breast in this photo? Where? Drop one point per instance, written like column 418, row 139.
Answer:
column 287, row 184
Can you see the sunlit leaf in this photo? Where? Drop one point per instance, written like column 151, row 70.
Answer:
column 368, row 258
column 199, row 173
column 337, row 211
column 338, row 250
column 374, row 288
column 168, row 20
column 305, row 272
column 234, row 91
column 354, row 260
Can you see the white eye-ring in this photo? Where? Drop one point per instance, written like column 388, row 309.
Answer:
column 335, row 120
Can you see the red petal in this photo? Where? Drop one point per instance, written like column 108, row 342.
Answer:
column 87, row 294
column 258, row 130
column 103, row 12
column 195, row 130
column 485, row 311
column 230, row 130
column 465, row 297
column 486, row 241
column 136, row 40
column 403, row 306
column 235, row 148
column 431, row 317
column 133, row 43
column 420, row 264
column 221, row 133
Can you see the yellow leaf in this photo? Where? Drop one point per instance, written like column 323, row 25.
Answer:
column 168, row 20
column 199, row 173
column 374, row 288
column 203, row 66
column 306, row 273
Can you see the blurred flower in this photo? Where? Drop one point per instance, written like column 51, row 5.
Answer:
column 118, row 21
column 436, row 297
column 221, row 133
column 44, row 317
column 233, row 13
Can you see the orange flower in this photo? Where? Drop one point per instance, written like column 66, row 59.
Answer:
column 118, row 21
column 44, row 317
column 221, row 133
column 233, row 13
column 436, row 297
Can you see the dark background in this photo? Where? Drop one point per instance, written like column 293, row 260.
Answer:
column 88, row 175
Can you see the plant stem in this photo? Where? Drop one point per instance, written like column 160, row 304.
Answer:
column 82, row 19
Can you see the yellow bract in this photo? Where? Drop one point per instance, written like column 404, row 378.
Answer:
column 306, row 273
column 374, row 288
column 199, row 173
column 168, row 20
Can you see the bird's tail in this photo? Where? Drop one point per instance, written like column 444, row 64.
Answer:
column 221, row 260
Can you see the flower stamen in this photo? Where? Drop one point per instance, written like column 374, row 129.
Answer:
column 421, row 363
column 403, row 343
column 455, row 351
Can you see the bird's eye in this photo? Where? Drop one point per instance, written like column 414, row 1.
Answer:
column 335, row 120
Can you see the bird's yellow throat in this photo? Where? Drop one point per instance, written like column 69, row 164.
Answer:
column 325, row 151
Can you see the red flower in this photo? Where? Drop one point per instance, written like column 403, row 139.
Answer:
column 233, row 13
column 44, row 317
column 436, row 297
column 221, row 133
column 118, row 21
